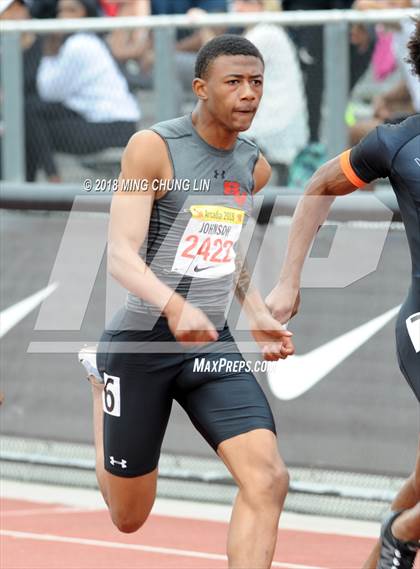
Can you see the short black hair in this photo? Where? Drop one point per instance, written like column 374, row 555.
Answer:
column 414, row 49
column 226, row 44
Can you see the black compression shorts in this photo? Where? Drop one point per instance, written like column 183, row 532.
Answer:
column 222, row 398
column 408, row 357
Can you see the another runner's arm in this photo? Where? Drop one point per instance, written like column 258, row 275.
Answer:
column 246, row 293
column 342, row 175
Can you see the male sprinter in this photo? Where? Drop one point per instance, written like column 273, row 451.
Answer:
column 391, row 151
column 182, row 287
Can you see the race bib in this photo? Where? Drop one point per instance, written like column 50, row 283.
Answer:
column 413, row 328
column 206, row 249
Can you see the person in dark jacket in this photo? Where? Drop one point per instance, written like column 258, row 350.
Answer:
column 31, row 54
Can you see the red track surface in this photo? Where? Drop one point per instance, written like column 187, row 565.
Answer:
column 51, row 536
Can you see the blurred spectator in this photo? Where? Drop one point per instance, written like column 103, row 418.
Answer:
column 128, row 47
column 43, row 8
column 189, row 41
column 401, row 40
column 129, row 44
column 32, row 52
column 309, row 40
column 280, row 126
column 382, row 4
column 31, row 44
column 109, row 7
column 310, row 43
column 86, row 105
column 403, row 98
column 125, row 7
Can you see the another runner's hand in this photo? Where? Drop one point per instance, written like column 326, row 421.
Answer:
column 283, row 302
column 274, row 340
column 188, row 324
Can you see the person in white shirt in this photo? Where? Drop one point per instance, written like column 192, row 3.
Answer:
column 86, row 105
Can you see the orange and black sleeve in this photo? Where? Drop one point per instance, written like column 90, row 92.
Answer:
column 348, row 171
column 369, row 160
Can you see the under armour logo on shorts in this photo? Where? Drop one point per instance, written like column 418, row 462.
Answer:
column 122, row 462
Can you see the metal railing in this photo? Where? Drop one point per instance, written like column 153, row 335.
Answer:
column 336, row 60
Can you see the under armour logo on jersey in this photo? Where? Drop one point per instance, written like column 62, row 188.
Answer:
column 122, row 462
column 222, row 174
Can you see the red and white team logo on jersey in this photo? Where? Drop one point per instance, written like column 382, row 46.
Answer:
column 234, row 189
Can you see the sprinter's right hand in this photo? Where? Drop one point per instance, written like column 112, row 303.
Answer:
column 188, row 324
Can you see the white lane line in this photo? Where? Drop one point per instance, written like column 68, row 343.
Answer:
column 92, row 499
column 136, row 547
column 288, row 521
column 50, row 494
column 43, row 511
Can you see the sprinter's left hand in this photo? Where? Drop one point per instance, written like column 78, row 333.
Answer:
column 275, row 341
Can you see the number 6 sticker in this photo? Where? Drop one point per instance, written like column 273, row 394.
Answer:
column 111, row 395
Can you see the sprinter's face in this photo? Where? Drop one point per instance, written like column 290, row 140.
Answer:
column 232, row 90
